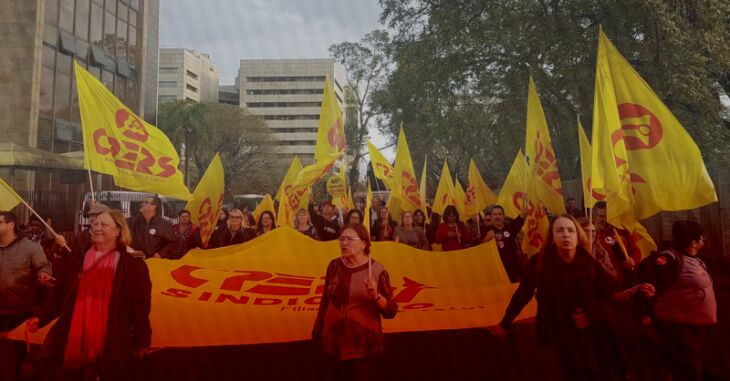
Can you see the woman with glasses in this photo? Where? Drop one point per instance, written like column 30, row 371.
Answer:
column 102, row 302
column 357, row 293
column 232, row 234
column 410, row 234
column 452, row 234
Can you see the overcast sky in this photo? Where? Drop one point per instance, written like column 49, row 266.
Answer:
column 230, row 30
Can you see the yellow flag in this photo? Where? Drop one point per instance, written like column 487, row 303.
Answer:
column 585, row 164
column 478, row 194
column 366, row 208
column 207, row 201
column 291, row 175
column 518, row 182
column 8, row 198
column 641, row 240
column 284, row 216
column 444, row 192
column 119, row 143
column 311, row 174
column 381, row 167
column 405, row 176
column 422, row 189
column 541, row 156
column 460, row 199
column 609, row 162
column 350, row 199
column 652, row 150
column 331, row 131
column 341, row 201
column 266, row 205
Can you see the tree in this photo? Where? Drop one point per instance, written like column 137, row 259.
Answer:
column 244, row 141
column 366, row 64
column 462, row 68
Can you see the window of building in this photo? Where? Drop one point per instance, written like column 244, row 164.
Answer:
column 191, row 88
column 284, row 91
column 191, row 74
column 132, row 43
column 291, row 117
column 168, row 84
column 66, row 15
column 297, row 143
column 82, row 20
column 133, row 17
column 167, row 98
column 110, row 25
column 45, row 134
column 297, row 129
column 110, row 5
column 338, row 98
column 45, row 102
column 62, row 96
column 286, row 79
column 120, row 88
column 283, row 104
column 121, row 39
column 122, row 12
column 107, row 78
column 168, row 70
column 51, row 15
column 68, row 43
column 95, row 24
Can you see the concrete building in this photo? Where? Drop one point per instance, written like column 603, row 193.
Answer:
column 39, row 110
column 187, row 75
column 287, row 93
column 229, row 95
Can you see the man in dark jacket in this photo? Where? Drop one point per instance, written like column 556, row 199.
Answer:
column 326, row 224
column 151, row 234
column 505, row 233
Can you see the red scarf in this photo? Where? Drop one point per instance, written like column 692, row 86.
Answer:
column 91, row 311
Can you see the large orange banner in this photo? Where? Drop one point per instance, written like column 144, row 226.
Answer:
column 268, row 290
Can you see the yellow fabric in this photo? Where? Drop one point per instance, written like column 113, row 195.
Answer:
column 610, row 169
column 267, row 290
column 410, row 195
column 366, row 207
column 311, row 174
column 517, row 183
column 341, row 201
column 641, row 239
column 207, row 201
column 289, row 177
column 444, row 192
column 541, row 156
column 119, row 143
column 652, row 150
column 460, row 199
column 267, row 204
column 478, row 194
column 585, row 165
column 381, row 167
column 331, row 131
column 8, row 198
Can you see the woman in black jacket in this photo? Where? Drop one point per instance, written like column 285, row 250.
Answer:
column 571, row 302
column 102, row 302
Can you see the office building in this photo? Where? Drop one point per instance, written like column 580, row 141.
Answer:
column 287, row 93
column 187, row 75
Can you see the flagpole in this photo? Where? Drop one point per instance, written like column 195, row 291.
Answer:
column 91, row 187
column 42, row 221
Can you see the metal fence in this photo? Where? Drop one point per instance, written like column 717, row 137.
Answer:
column 714, row 218
column 62, row 208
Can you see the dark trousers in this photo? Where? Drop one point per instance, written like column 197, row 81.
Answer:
column 362, row 369
column 682, row 344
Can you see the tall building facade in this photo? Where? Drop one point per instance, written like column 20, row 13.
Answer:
column 42, row 143
column 287, row 93
column 187, row 75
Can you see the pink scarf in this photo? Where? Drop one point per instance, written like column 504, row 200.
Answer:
column 91, row 311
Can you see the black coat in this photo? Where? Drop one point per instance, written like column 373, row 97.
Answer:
column 128, row 327
column 225, row 237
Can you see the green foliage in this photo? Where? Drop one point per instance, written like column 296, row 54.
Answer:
column 461, row 71
column 244, row 141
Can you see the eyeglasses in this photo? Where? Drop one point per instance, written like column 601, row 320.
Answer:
column 345, row 238
column 235, row 217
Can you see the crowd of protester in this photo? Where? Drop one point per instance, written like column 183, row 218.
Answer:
column 603, row 311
